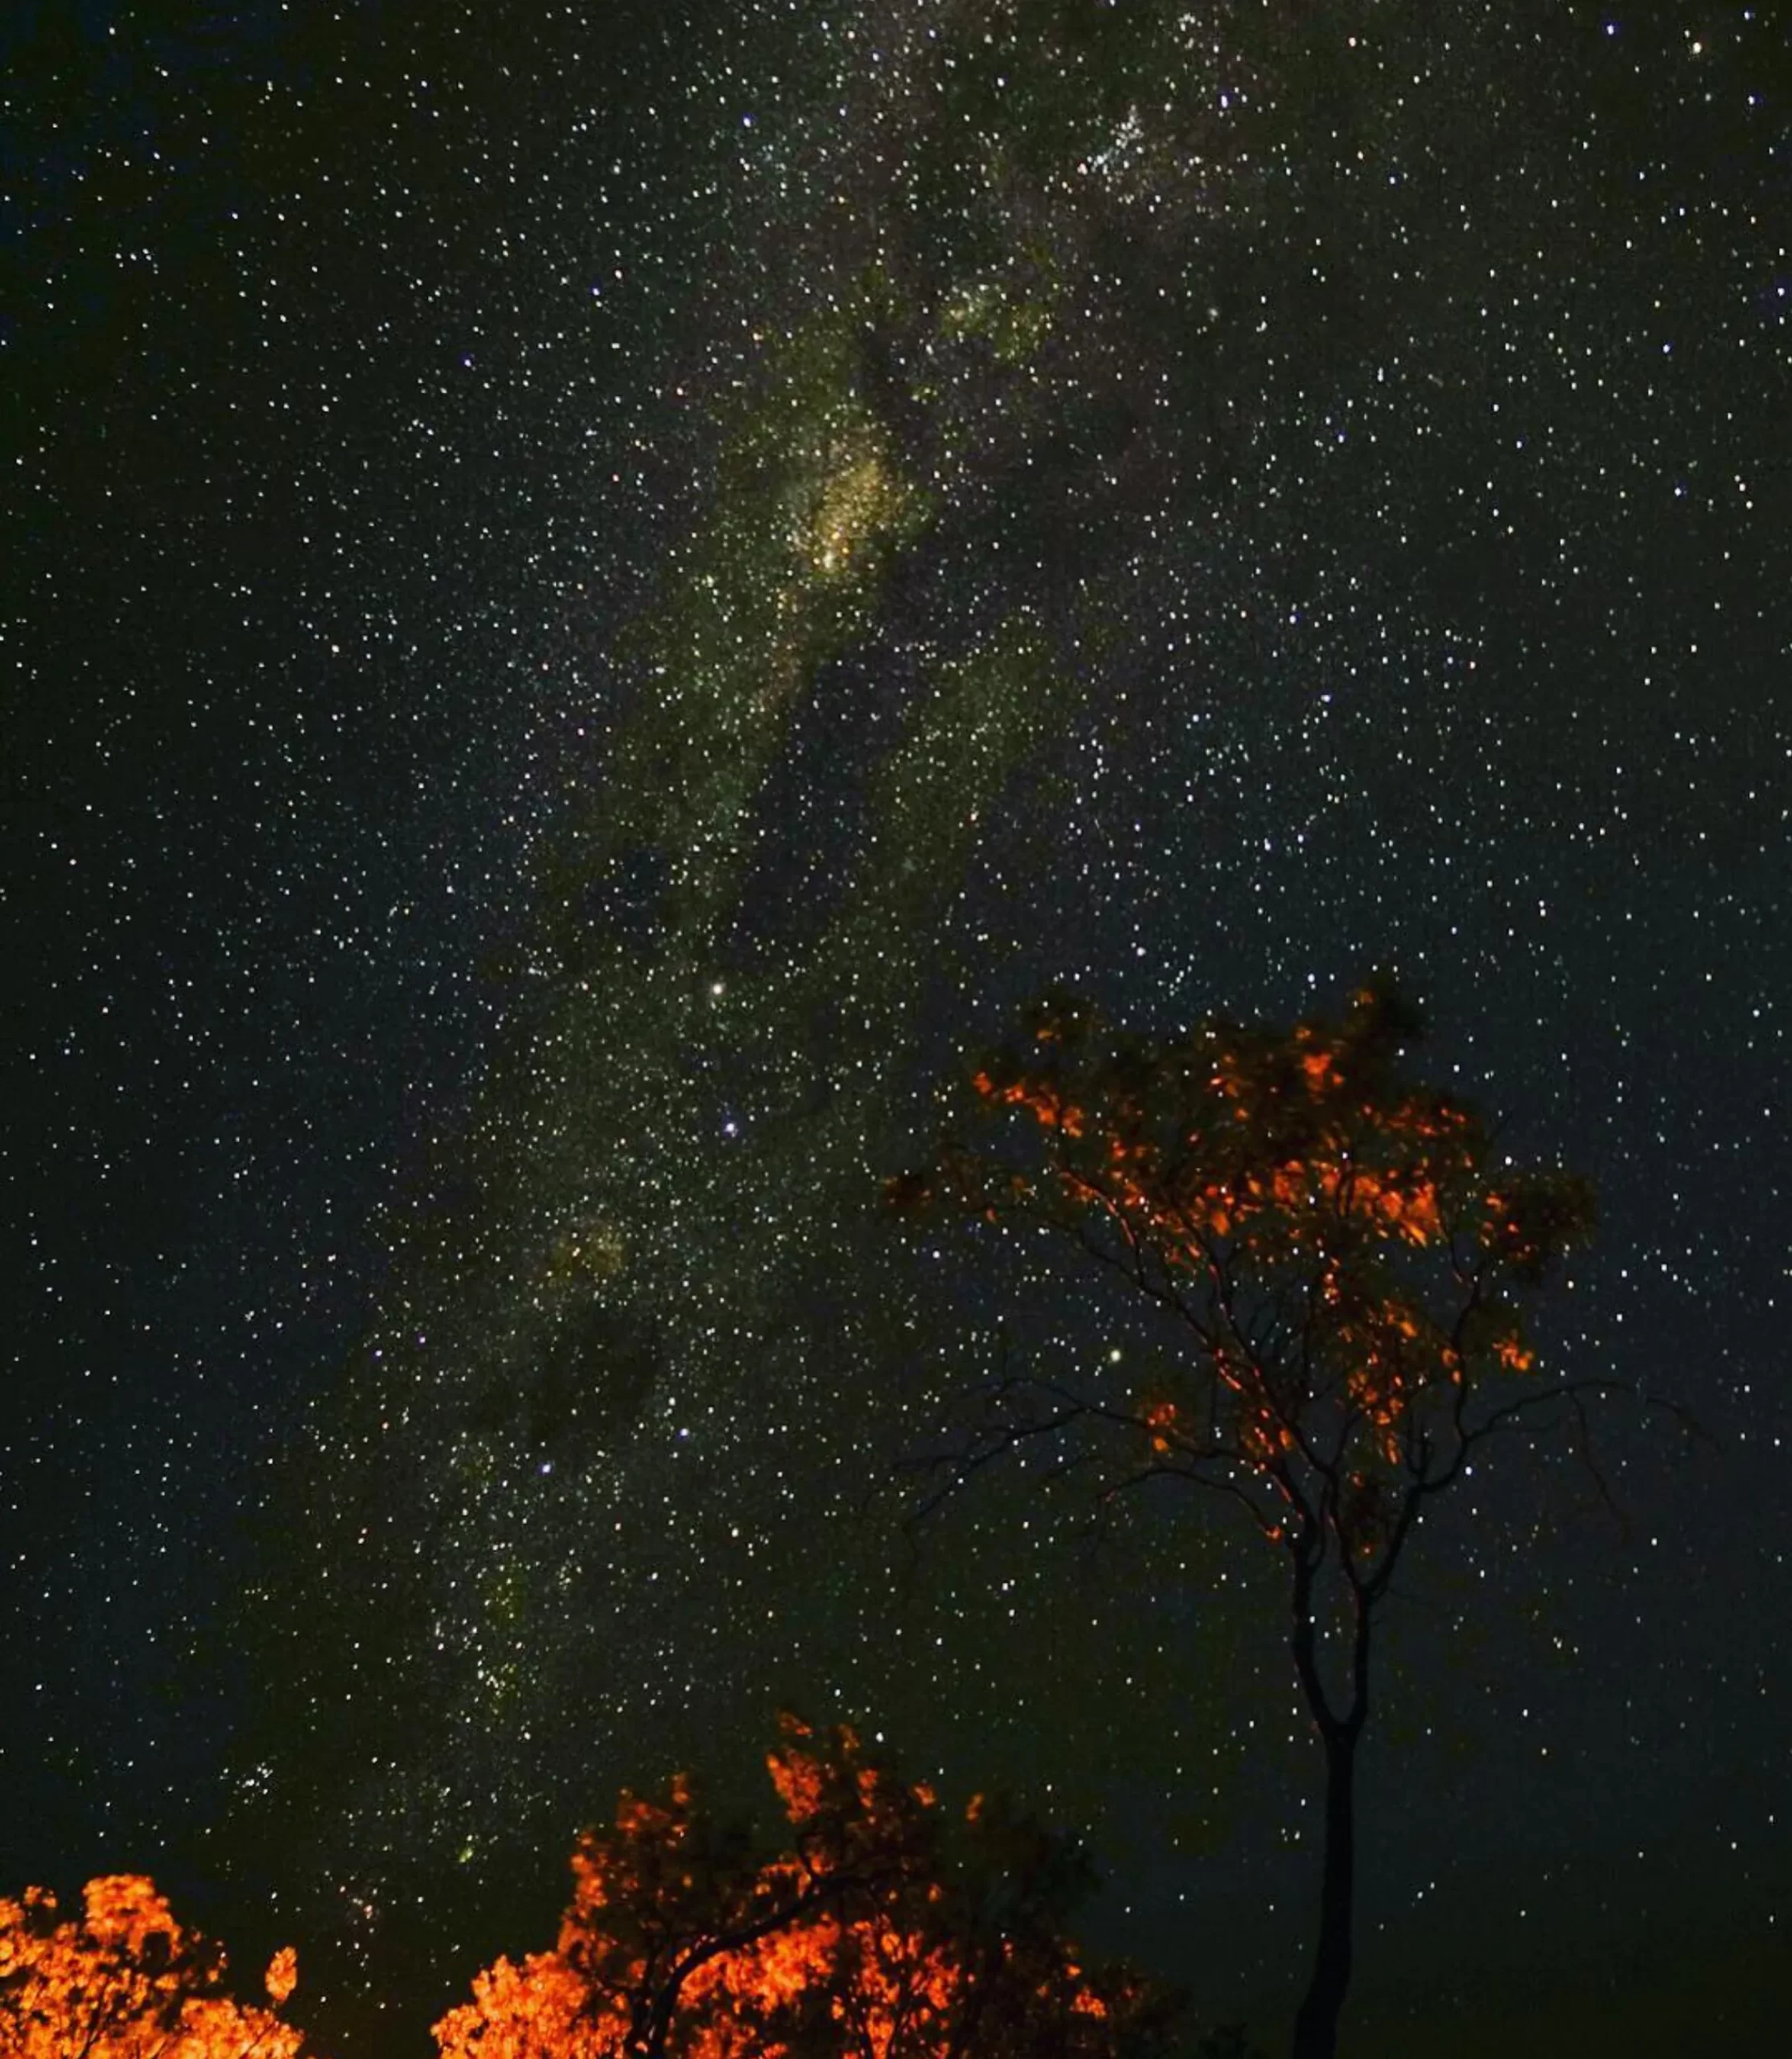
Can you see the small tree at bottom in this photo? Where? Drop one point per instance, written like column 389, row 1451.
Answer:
column 861, row 1939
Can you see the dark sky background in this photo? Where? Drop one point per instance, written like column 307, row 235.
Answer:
column 592, row 595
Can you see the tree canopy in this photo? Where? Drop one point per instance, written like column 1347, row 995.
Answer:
column 125, row 1980
column 864, row 1937
column 1343, row 1261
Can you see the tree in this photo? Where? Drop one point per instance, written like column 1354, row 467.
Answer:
column 126, row 1981
column 1342, row 1264
column 859, row 1941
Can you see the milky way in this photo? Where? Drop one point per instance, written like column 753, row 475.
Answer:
column 687, row 576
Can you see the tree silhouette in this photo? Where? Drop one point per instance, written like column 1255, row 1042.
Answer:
column 126, row 1981
column 859, row 1941
column 1343, row 1261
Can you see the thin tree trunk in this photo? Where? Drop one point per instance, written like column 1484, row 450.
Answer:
column 1316, row 2027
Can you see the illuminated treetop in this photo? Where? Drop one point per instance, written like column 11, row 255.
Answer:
column 1331, row 1239
column 857, row 1938
column 125, row 1980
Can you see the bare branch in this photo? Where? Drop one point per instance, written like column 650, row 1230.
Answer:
column 1514, row 1410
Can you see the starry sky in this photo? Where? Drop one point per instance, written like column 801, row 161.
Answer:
column 595, row 596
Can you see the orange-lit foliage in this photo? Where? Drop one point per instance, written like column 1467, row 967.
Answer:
column 856, row 1939
column 125, row 1980
column 1327, row 1233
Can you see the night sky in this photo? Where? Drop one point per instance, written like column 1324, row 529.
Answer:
column 596, row 595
